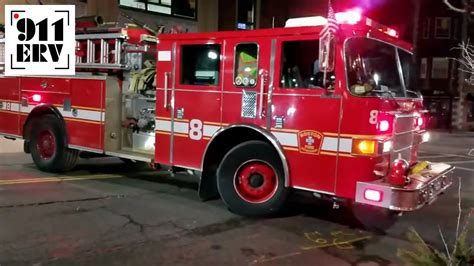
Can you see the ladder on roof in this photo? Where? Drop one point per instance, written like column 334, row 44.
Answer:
column 101, row 50
column 98, row 51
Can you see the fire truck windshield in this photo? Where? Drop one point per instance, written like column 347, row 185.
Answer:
column 377, row 69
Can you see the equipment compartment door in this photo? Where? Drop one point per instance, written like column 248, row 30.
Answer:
column 305, row 117
column 165, row 72
column 10, row 106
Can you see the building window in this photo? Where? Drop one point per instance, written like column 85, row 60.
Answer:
column 443, row 28
column 440, row 68
column 426, row 28
column 300, row 65
column 246, row 14
column 246, row 65
column 179, row 8
column 200, row 64
column 424, row 68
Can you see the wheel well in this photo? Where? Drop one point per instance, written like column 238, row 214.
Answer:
column 37, row 113
column 220, row 145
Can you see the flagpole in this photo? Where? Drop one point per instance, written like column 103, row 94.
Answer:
column 326, row 61
column 326, row 36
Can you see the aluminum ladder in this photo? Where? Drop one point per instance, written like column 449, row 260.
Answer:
column 101, row 50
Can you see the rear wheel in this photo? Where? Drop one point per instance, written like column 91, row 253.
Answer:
column 251, row 180
column 48, row 146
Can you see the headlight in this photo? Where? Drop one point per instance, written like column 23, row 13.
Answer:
column 387, row 146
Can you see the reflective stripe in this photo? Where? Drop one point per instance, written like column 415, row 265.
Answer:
column 180, row 127
column 287, row 139
column 209, row 131
column 183, row 127
column 13, row 107
column 330, row 144
column 345, row 145
column 83, row 114
column 27, row 109
column 162, row 125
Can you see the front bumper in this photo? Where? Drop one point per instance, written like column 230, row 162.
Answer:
column 423, row 189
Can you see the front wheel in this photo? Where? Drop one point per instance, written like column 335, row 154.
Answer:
column 251, row 179
column 48, row 146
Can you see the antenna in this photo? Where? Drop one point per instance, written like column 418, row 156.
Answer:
column 273, row 22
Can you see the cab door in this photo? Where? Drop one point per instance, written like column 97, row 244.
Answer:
column 247, row 81
column 196, row 100
column 10, row 106
column 305, row 117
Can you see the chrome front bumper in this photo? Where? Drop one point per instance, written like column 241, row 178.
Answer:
column 423, row 189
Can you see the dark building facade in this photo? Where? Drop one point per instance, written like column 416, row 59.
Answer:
column 447, row 93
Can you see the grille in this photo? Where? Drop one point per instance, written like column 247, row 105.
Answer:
column 249, row 104
column 404, row 137
column 404, row 124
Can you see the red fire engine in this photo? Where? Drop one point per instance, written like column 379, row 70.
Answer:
column 255, row 113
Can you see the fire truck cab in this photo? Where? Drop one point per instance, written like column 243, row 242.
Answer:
column 255, row 113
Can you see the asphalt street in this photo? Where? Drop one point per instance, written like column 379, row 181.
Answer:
column 103, row 213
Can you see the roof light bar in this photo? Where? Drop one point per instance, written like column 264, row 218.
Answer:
column 306, row 21
column 392, row 33
column 349, row 17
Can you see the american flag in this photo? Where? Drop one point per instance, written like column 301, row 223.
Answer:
column 332, row 26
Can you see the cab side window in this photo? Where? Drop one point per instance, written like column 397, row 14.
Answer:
column 246, row 65
column 200, row 64
column 300, row 65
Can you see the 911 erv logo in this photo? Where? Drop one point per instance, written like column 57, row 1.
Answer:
column 39, row 40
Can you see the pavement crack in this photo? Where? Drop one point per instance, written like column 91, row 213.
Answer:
column 132, row 221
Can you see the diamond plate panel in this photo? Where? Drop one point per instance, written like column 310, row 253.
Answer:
column 249, row 104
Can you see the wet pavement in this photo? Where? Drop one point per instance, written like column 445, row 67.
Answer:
column 105, row 214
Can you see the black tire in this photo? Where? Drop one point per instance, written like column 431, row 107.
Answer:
column 242, row 157
column 59, row 158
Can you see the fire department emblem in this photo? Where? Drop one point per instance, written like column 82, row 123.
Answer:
column 310, row 141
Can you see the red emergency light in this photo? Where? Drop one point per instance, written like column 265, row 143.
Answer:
column 36, row 98
column 392, row 33
column 350, row 17
column 384, row 123
column 373, row 195
column 397, row 176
